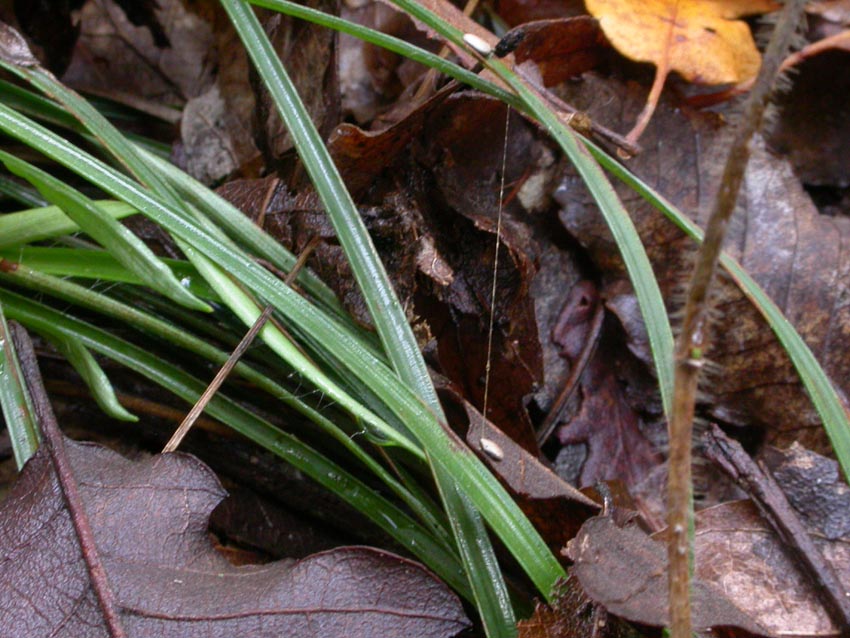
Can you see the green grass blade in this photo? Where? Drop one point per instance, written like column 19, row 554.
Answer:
column 121, row 242
column 47, row 110
column 215, row 207
column 246, row 309
column 48, row 222
column 15, row 401
column 390, row 43
column 385, row 309
column 351, row 232
column 98, row 265
column 500, row 511
column 180, row 337
column 94, row 377
column 25, row 195
column 242, row 229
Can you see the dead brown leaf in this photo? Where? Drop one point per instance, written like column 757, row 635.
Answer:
column 555, row 507
column 795, row 254
column 561, row 49
column 116, row 57
column 738, row 552
column 516, row 12
column 624, row 570
column 149, row 521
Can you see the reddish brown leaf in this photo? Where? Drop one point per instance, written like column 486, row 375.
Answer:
column 516, row 12
column 617, row 448
column 572, row 614
column 556, row 508
column 149, row 520
column 561, row 49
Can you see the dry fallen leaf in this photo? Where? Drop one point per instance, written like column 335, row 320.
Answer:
column 738, row 551
column 798, row 256
column 149, row 521
column 703, row 41
column 624, row 570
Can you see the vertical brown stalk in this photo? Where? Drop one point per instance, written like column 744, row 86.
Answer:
column 693, row 339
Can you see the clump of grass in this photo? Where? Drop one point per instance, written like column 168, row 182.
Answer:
column 381, row 391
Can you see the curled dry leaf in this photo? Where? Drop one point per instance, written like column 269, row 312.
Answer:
column 149, row 521
column 556, row 508
column 562, row 48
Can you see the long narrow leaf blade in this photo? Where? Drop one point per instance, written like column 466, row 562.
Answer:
column 383, row 513
column 500, row 511
column 385, row 309
column 121, row 242
column 94, row 377
column 48, row 222
column 15, row 402
column 828, row 404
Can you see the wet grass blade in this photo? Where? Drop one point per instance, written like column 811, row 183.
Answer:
column 386, row 311
column 94, row 377
column 98, row 265
column 500, row 511
column 128, row 249
column 15, row 402
column 37, row 224
column 387, row 516
column 828, row 404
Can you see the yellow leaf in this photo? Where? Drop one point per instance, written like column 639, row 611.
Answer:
column 701, row 39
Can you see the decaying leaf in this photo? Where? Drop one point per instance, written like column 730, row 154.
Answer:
column 736, row 550
column 556, row 508
column 561, row 49
column 118, row 58
column 149, row 521
column 704, row 41
column 796, row 255
column 617, row 448
column 575, row 615
column 624, row 570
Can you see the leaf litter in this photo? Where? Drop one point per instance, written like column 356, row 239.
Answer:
column 424, row 180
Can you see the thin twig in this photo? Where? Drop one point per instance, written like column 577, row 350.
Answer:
column 54, row 444
column 201, row 404
column 693, row 339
